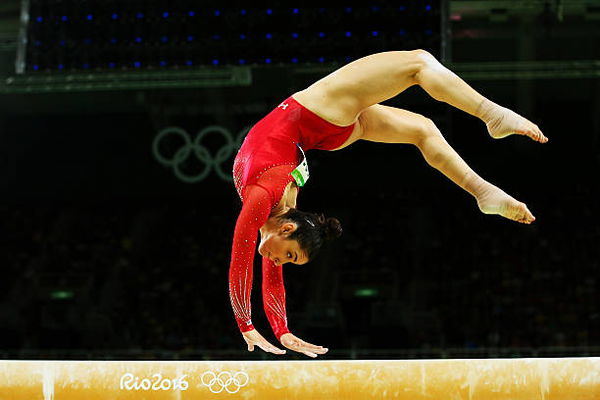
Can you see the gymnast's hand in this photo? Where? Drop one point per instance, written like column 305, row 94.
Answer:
column 253, row 338
column 294, row 343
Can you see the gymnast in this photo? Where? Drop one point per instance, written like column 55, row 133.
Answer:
column 331, row 114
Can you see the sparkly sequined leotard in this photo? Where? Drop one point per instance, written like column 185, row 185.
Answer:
column 261, row 172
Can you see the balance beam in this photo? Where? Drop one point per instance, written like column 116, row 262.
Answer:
column 514, row 379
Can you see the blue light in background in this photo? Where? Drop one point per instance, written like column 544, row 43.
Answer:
column 162, row 63
column 86, row 66
column 137, row 64
column 111, row 65
column 39, row 19
column 215, row 62
column 61, row 66
column 163, row 40
column 189, row 63
column 36, row 67
column 294, row 60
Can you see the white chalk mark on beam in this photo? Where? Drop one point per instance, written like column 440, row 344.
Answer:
column 48, row 382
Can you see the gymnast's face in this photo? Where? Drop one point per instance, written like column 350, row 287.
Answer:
column 276, row 246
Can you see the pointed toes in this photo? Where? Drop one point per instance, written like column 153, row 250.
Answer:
column 523, row 215
column 539, row 136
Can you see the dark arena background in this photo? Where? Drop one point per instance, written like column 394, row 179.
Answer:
column 115, row 243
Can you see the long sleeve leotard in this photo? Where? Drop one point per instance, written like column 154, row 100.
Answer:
column 258, row 203
column 261, row 172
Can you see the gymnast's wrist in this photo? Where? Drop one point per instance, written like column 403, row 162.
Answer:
column 280, row 332
column 245, row 326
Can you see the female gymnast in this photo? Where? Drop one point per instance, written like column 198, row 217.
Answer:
column 331, row 114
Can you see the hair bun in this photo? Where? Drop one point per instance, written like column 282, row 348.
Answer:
column 333, row 228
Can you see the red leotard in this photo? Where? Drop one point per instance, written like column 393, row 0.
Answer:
column 261, row 172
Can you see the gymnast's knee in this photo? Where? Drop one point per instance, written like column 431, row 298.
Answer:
column 422, row 60
column 426, row 129
column 430, row 142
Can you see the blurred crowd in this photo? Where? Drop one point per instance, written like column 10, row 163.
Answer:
column 117, row 277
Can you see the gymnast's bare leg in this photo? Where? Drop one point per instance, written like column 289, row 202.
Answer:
column 351, row 94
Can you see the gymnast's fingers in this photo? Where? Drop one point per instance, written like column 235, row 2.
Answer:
column 310, row 344
column 314, row 348
column 309, row 353
column 298, row 347
column 269, row 348
column 315, row 351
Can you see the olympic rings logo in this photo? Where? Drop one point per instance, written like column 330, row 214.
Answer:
column 202, row 153
column 225, row 380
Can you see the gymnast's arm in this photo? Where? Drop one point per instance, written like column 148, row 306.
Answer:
column 274, row 304
column 255, row 212
column 273, row 292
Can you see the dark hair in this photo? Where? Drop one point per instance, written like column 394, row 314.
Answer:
column 313, row 230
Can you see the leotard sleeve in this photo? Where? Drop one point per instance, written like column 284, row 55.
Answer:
column 255, row 212
column 273, row 292
column 259, row 200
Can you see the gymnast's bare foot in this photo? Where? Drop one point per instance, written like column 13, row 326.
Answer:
column 494, row 200
column 502, row 122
